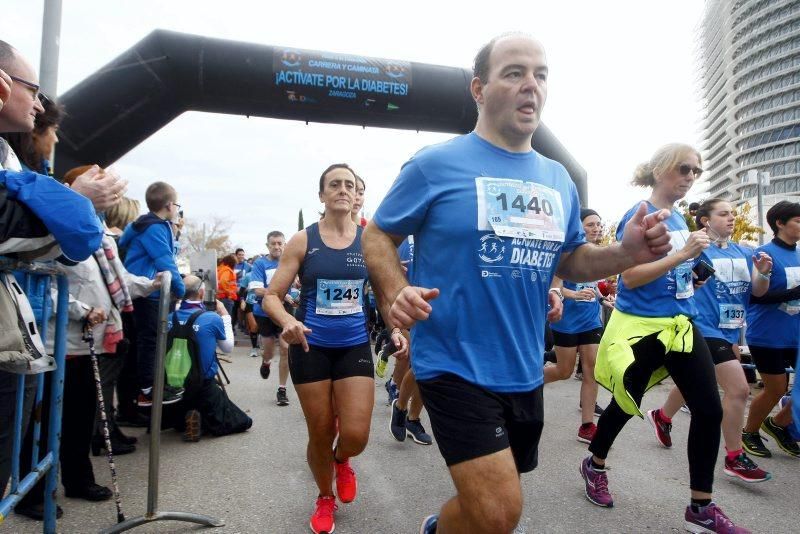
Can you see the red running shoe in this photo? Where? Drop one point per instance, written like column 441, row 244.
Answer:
column 346, row 483
column 586, row 434
column 322, row 519
column 661, row 429
column 746, row 469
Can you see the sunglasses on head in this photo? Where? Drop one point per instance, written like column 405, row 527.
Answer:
column 685, row 169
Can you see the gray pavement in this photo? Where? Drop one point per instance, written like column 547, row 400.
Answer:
column 259, row 482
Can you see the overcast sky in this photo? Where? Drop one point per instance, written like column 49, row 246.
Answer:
column 623, row 81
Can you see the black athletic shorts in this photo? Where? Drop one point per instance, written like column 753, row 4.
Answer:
column 770, row 361
column 266, row 327
column 721, row 351
column 469, row 421
column 326, row 363
column 589, row 337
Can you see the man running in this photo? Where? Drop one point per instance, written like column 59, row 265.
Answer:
column 261, row 275
column 492, row 222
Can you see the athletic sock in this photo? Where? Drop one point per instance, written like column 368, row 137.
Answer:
column 663, row 417
column 732, row 455
column 699, row 504
column 596, row 466
column 282, row 386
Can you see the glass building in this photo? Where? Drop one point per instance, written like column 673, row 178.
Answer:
column 750, row 64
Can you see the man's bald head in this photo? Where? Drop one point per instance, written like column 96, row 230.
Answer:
column 194, row 287
column 482, row 64
column 7, row 55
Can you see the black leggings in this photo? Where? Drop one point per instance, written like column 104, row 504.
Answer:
column 694, row 375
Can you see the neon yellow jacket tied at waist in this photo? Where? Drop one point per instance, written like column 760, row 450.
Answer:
column 615, row 354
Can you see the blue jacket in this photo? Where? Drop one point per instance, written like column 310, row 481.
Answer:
column 151, row 249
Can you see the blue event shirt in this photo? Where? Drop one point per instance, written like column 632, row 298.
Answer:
column 668, row 295
column 579, row 315
column 406, row 253
column 487, row 325
column 208, row 328
column 722, row 300
column 776, row 325
column 260, row 276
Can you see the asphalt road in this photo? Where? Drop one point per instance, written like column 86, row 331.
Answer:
column 259, row 481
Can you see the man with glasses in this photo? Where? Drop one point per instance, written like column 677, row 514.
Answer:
column 150, row 246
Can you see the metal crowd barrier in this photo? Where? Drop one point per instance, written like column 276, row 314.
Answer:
column 152, row 513
column 48, row 466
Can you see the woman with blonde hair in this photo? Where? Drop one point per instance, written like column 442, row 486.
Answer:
column 651, row 335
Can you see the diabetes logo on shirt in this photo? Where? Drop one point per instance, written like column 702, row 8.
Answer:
column 516, row 274
column 491, row 248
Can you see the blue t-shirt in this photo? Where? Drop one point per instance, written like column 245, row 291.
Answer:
column 241, row 270
column 579, row 315
column 332, row 293
column 670, row 294
column 487, row 325
column 406, row 253
column 208, row 328
column 260, row 276
column 776, row 325
column 722, row 300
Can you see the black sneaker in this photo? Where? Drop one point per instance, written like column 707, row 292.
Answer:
column 264, row 370
column 172, row 395
column 781, row 436
column 397, row 423
column 751, row 442
column 283, row 399
column 417, row 432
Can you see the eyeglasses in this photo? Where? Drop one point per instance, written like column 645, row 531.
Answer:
column 685, row 169
column 176, row 205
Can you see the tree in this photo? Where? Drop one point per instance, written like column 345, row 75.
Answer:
column 690, row 222
column 198, row 236
column 743, row 227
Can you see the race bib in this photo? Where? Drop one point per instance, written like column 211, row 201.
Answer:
column 731, row 315
column 792, row 307
column 519, row 209
column 684, row 284
column 339, row 297
column 792, row 280
column 587, row 285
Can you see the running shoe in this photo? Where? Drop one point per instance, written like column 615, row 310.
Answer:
column 417, row 432
column 192, row 429
column 264, row 370
column 254, row 353
column 171, row 396
column 429, row 524
column 746, row 469
column 346, row 483
column 322, row 519
column 586, row 433
column 794, row 428
column 781, row 436
column 397, row 422
column 685, row 409
column 660, row 428
column 380, row 365
column 751, row 442
column 578, row 376
column 710, row 520
column 596, row 484
column 283, row 399
column 391, row 390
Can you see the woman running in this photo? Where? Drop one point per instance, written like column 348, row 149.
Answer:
column 579, row 332
column 329, row 353
column 772, row 327
column 651, row 335
column 721, row 310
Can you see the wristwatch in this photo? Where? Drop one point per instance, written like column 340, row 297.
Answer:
column 558, row 292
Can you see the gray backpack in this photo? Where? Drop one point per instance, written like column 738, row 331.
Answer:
column 21, row 347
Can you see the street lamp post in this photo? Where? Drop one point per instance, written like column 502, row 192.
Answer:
column 761, row 180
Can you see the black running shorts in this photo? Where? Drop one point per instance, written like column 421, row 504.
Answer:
column 770, row 361
column 721, row 351
column 266, row 327
column 469, row 421
column 326, row 363
column 589, row 337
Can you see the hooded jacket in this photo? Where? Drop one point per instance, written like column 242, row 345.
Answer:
column 151, row 249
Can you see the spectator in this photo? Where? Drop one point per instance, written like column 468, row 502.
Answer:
column 151, row 249
column 205, row 405
column 34, row 149
column 119, row 216
column 31, row 218
column 227, row 290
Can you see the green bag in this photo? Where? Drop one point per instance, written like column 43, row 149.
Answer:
column 181, row 358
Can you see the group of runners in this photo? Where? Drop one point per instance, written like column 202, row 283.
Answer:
column 499, row 236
